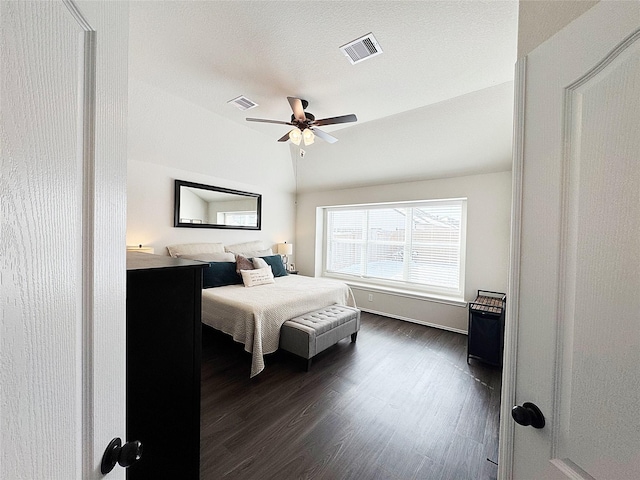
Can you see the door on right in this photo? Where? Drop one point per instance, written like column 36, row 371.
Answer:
column 573, row 336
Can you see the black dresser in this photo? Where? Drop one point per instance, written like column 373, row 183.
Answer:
column 164, row 297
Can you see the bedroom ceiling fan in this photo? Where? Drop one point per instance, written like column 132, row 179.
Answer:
column 305, row 124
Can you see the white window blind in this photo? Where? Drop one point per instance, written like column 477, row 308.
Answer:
column 417, row 245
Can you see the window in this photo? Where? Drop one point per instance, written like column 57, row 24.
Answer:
column 413, row 245
column 237, row 218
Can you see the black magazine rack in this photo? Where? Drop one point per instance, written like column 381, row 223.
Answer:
column 485, row 340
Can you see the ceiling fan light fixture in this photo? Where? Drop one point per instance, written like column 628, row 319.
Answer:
column 295, row 136
column 308, row 137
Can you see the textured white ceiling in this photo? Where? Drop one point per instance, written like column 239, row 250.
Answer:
column 465, row 135
column 210, row 52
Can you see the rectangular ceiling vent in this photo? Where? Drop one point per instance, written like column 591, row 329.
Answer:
column 243, row 103
column 361, row 49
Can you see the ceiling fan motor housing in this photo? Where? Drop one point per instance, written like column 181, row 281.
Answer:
column 310, row 118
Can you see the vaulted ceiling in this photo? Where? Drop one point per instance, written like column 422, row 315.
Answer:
column 448, row 63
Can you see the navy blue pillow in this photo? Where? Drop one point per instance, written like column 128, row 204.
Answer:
column 219, row 274
column 277, row 267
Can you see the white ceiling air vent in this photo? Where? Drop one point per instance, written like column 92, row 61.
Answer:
column 243, row 103
column 361, row 49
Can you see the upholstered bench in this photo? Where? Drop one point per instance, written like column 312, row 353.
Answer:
column 313, row 332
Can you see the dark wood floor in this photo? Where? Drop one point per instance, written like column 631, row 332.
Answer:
column 401, row 403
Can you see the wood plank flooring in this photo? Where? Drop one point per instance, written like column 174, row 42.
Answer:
column 401, row 403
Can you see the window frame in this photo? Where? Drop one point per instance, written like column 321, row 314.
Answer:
column 394, row 286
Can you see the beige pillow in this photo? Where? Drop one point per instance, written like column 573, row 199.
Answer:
column 258, row 276
column 258, row 253
column 179, row 250
column 211, row 257
column 246, row 247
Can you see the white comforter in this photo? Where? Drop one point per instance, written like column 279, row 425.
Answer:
column 253, row 316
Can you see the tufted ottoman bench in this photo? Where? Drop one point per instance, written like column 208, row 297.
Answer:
column 313, row 332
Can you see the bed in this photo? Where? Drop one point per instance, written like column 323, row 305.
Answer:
column 253, row 315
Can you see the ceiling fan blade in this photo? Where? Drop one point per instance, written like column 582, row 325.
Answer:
column 324, row 135
column 262, row 120
column 296, row 106
column 284, row 138
column 333, row 120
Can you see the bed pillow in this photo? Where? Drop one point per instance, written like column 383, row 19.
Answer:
column 259, row 262
column 275, row 262
column 258, row 253
column 219, row 274
column 245, row 247
column 177, row 251
column 243, row 263
column 211, row 257
column 258, row 276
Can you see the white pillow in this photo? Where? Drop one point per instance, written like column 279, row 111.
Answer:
column 259, row 276
column 258, row 253
column 211, row 257
column 243, row 248
column 194, row 248
column 259, row 263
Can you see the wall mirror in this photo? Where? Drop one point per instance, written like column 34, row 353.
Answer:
column 204, row 206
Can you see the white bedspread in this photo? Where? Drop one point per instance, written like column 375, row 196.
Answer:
column 253, row 316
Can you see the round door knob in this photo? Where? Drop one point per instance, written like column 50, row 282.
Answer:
column 130, row 453
column 124, row 455
column 528, row 414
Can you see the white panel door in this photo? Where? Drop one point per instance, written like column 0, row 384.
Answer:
column 576, row 278
column 63, row 104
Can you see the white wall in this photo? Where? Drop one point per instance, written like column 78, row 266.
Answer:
column 539, row 20
column 193, row 207
column 150, row 204
column 488, row 219
column 171, row 138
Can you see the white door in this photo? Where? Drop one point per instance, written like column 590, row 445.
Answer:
column 573, row 335
column 63, row 106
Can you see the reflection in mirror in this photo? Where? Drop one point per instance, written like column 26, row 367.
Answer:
column 205, row 206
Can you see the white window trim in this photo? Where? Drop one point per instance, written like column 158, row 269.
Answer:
column 400, row 288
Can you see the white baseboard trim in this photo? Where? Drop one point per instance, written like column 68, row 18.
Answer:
column 413, row 320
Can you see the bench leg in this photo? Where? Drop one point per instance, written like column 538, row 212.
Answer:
column 353, row 337
column 308, row 365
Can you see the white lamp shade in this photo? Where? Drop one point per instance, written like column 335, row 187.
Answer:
column 308, row 136
column 285, row 248
column 295, row 136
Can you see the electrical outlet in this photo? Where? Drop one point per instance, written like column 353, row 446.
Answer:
column 371, row 297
